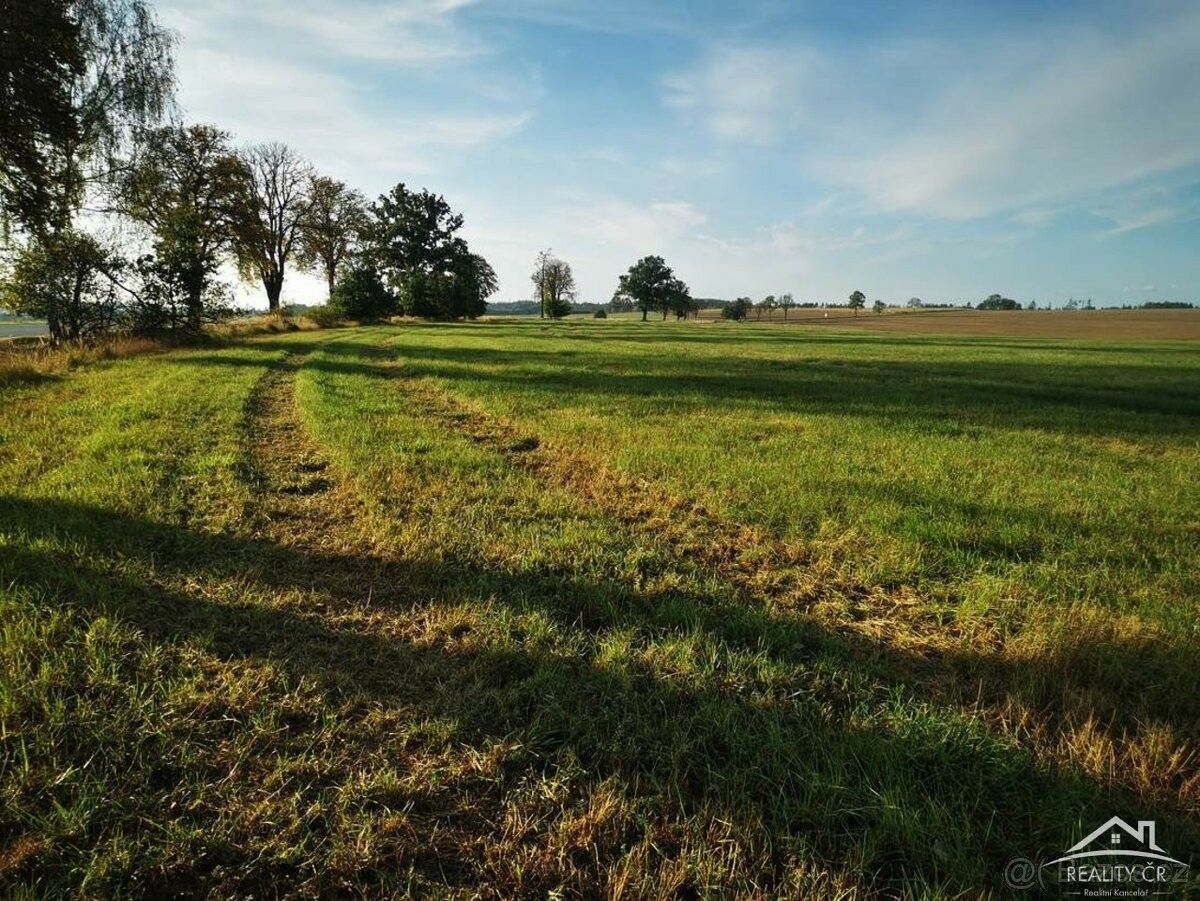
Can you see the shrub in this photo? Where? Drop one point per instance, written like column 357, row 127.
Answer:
column 738, row 310
column 600, row 314
column 324, row 317
column 361, row 295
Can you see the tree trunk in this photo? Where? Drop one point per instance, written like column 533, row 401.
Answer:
column 645, row 310
column 273, row 283
column 331, row 277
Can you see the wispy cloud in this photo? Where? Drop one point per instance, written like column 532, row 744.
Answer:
column 1016, row 121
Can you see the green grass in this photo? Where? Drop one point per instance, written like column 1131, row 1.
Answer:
column 594, row 608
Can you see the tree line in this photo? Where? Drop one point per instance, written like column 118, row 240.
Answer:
column 117, row 215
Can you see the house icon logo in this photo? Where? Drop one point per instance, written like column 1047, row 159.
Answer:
column 1114, row 860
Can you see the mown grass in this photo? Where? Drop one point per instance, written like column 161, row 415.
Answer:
column 599, row 609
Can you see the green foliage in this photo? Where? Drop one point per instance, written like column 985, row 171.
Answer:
column 412, row 241
column 192, row 192
column 268, row 234
column 39, row 58
column 651, row 285
column 158, row 301
column 553, row 286
column 361, row 295
column 332, row 228
column 858, row 300
column 66, row 279
column 737, row 310
column 996, row 302
column 558, row 308
column 600, row 314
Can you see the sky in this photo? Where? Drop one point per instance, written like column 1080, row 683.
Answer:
column 941, row 150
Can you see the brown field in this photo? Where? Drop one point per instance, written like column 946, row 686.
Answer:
column 1161, row 325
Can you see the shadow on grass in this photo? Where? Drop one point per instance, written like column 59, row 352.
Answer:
column 1129, row 400
column 845, row 750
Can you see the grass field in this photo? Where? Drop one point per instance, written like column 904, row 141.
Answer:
column 1117, row 325
column 595, row 609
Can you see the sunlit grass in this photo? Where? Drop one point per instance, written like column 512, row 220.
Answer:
column 596, row 608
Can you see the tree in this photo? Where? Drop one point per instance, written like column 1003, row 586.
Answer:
column 996, row 302
column 332, row 229
column 650, row 285
column 270, row 235
column 553, row 285
column 879, row 306
column 360, row 294
column 121, row 82
column 191, row 191
column 786, row 302
column 40, row 57
column 65, row 278
column 472, row 282
column 914, row 303
column 857, row 301
column 766, row 305
column 679, row 300
column 412, row 240
column 738, row 310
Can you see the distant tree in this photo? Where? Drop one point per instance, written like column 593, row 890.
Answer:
column 996, row 302
column 879, row 306
column 269, row 235
column 553, row 285
column 332, row 227
column 600, row 314
column 1071, row 304
column 914, row 303
column 1032, row 305
column 679, row 300
column 65, row 278
column 190, row 190
column 786, row 302
column 650, row 285
column 738, row 310
column 766, row 305
column 360, row 294
column 857, row 301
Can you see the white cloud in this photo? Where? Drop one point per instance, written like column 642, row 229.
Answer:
column 966, row 129
column 747, row 94
column 406, row 32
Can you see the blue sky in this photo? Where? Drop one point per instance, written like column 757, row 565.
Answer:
column 943, row 150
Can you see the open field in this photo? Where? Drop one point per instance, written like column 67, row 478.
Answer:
column 1121, row 325
column 601, row 608
column 20, row 328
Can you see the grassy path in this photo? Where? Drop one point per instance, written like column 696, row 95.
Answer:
column 293, row 618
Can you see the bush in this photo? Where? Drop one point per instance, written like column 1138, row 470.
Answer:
column 361, row 295
column 738, row 310
column 558, row 309
column 324, row 317
column 600, row 314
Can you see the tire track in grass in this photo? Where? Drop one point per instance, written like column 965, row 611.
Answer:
column 1062, row 702
column 778, row 575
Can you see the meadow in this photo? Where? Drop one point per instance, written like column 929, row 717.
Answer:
column 597, row 609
